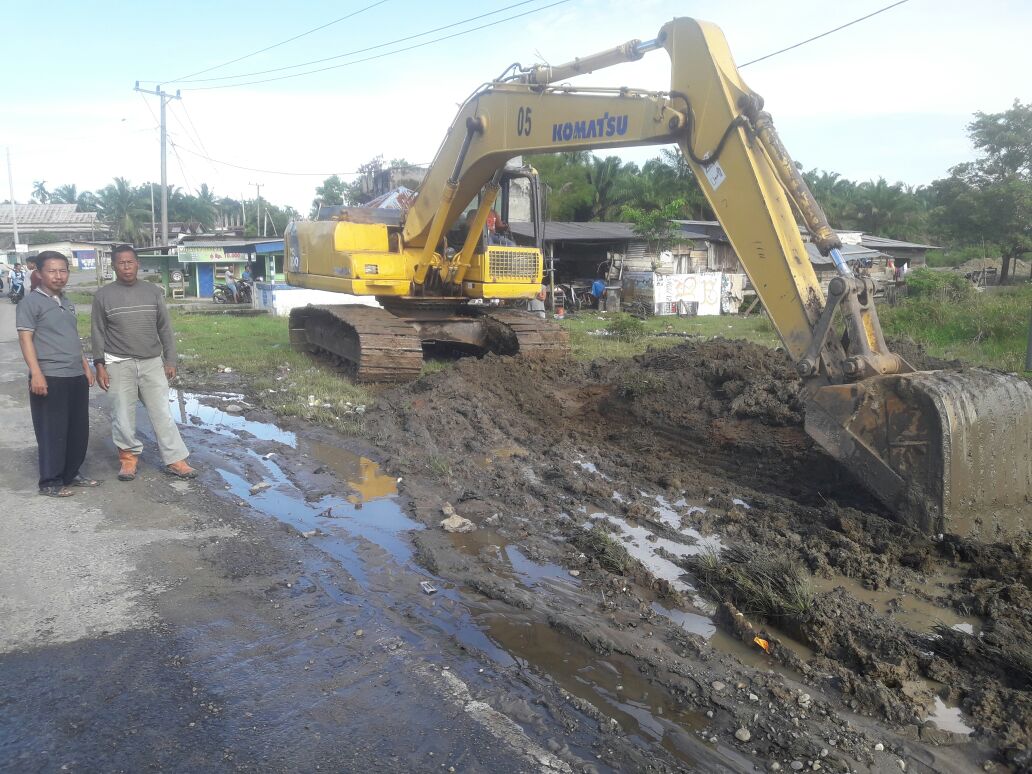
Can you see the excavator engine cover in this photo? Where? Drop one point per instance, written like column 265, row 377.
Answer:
column 946, row 451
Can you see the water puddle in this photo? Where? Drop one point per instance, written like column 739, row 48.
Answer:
column 188, row 409
column 644, row 545
column 379, row 521
column 949, row 718
column 361, row 474
column 907, row 610
column 532, row 573
column 614, row 683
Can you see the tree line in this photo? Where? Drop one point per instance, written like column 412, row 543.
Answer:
column 126, row 209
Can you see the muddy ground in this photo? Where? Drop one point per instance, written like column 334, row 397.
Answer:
column 663, row 575
column 667, row 511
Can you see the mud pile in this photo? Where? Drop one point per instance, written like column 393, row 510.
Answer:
column 661, row 482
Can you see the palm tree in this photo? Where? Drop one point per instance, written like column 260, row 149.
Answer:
column 605, row 176
column 124, row 210
column 40, row 195
column 65, row 194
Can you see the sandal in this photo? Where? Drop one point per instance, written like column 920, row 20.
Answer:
column 84, row 482
column 56, row 491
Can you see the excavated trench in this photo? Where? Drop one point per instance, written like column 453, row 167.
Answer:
column 679, row 517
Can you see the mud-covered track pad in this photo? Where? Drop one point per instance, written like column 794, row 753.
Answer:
column 376, row 345
column 528, row 334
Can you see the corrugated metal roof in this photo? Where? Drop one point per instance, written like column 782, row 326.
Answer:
column 884, row 243
column 229, row 242
column 849, row 252
column 565, row 231
column 45, row 214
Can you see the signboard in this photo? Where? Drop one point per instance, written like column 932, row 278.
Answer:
column 201, row 254
column 87, row 259
column 189, row 254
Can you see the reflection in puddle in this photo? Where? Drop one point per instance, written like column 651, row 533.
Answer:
column 361, row 474
column 614, row 684
column 531, row 573
column 949, row 718
column 380, row 521
column 643, row 545
column 187, row 408
column 691, row 622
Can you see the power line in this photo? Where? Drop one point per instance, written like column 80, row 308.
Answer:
column 381, row 56
column 264, row 171
column 823, row 34
column 275, row 45
column 360, row 50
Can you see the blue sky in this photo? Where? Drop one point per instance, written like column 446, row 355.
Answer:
column 888, row 97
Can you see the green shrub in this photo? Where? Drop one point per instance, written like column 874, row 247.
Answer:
column 938, row 286
column 627, row 328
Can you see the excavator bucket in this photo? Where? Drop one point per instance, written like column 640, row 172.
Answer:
column 946, row 451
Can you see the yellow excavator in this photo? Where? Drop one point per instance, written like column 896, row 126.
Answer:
column 946, row 451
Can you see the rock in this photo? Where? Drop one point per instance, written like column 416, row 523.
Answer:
column 709, row 713
column 797, row 765
column 879, row 747
column 261, row 486
column 309, row 533
column 575, row 573
column 743, row 735
column 447, row 509
column 774, row 766
column 718, row 686
column 234, row 408
column 753, row 697
column 456, row 523
column 804, row 700
column 359, row 633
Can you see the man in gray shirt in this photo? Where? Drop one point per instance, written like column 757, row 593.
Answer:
column 134, row 351
column 59, row 379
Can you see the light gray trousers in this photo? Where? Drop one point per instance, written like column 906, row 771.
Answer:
column 135, row 380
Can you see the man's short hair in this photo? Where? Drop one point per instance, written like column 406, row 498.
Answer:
column 117, row 249
column 50, row 255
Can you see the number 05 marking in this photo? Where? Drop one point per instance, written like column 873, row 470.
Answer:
column 523, row 122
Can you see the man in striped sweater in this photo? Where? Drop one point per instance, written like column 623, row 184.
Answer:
column 134, row 351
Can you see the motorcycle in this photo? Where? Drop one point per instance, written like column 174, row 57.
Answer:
column 17, row 292
column 223, row 295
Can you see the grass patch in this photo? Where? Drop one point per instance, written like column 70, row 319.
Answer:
column 988, row 329
column 598, row 543
column 276, row 377
column 758, row 584
column 590, row 339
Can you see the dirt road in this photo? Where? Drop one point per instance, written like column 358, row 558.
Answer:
column 644, row 533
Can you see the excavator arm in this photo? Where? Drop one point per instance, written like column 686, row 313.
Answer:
column 919, row 441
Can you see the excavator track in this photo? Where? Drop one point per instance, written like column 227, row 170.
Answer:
column 528, row 334
column 375, row 345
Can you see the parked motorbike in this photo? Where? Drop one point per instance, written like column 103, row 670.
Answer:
column 222, row 294
column 17, row 292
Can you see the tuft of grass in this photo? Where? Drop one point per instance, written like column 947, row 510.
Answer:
column 439, row 466
column 759, row 585
column 600, row 544
column 626, row 328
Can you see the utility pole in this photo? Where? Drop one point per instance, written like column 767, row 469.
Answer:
column 164, row 97
column 14, row 207
column 153, row 226
column 258, row 224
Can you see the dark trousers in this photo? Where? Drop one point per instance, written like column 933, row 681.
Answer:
column 61, row 419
